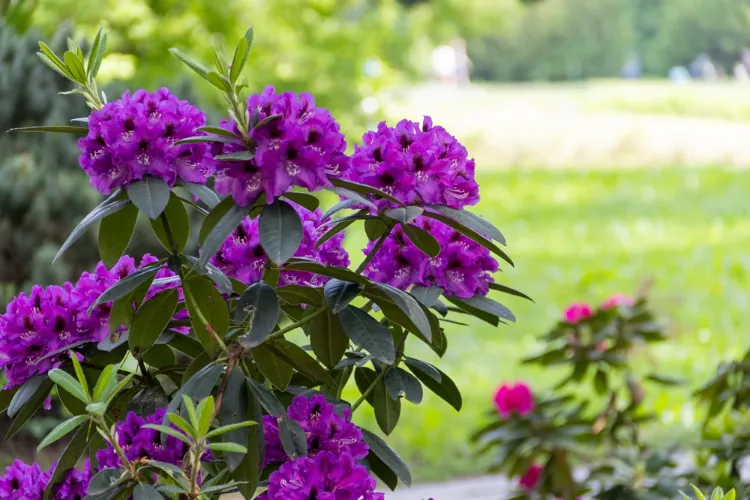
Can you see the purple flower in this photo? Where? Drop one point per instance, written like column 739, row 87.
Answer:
column 325, row 476
column 325, row 430
column 75, row 485
column 300, row 148
column 416, row 164
column 241, row 256
column 141, row 442
column 463, row 268
column 135, row 136
column 23, row 482
column 53, row 318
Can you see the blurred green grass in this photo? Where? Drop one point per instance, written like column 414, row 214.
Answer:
column 578, row 235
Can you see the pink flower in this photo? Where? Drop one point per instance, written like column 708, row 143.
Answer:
column 531, row 477
column 618, row 299
column 511, row 398
column 577, row 311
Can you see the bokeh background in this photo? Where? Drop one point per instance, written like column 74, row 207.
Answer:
column 611, row 140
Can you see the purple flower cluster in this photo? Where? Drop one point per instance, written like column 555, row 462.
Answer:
column 141, row 442
column 331, row 470
column 302, row 147
column 135, row 136
column 325, row 476
column 416, row 164
column 463, row 268
column 52, row 318
column 241, row 256
column 28, row 482
column 324, row 428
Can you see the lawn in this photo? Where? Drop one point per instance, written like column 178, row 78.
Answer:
column 578, row 235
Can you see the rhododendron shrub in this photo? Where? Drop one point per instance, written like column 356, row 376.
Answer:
column 189, row 376
column 591, row 418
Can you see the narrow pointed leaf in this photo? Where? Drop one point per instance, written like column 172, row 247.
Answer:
column 239, row 59
column 75, row 66
column 69, row 458
column 298, row 358
column 404, row 215
column 68, row 383
column 62, row 430
column 365, row 190
column 446, row 389
column 388, row 456
column 221, row 230
column 150, row 195
column 469, row 233
column 62, row 129
column 266, row 398
column 203, row 193
column 107, row 207
column 387, row 409
column 190, row 62
column 510, row 291
column 30, row 407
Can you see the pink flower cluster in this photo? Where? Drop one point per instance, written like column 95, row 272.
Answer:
column 514, row 398
column 579, row 311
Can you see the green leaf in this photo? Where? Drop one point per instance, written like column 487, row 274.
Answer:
column 298, row 358
column 426, row 368
column 169, row 432
column 231, row 217
column 145, row 491
column 364, row 377
column 218, row 81
column 115, row 232
column 207, row 309
column 351, row 198
column 61, row 129
column 203, row 193
column 489, row 306
column 126, row 285
column 330, row 271
column 275, row 369
column 200, row 139
column 306, row 200
column 601, row 385
column 510, row 291
column 268, row 119
column 260, row 303
column 182, row 424
column 79, row 375
column 68, row 383
column 96, row 408
column 227, row 447
column 229, row 428
column 339, row 293
column 187, row 346
column 293, row 438
column 239, row 406
column 179, row 225
column 75, row 66
column 465, row 308
column 366, row 332
column 151, row 320
column 399, row 382
column 382, row 471
column 191, row 63
column 364, row 190
column 239, row 59
column 150, row 195
column 389, row 457
column 471, row 221
column 333, row 231
column 91, row 66
column 197, row 387
column 54, row 61
column 280, row 231
column 327, row 338
column 387, row 409
column 26, row 410
column 418, row 321
column 422, row 240
column 24, row 394
column 62, row 430
column 105, row 480
column 266, row 398
column 404, row 215
column 6, row 396
column 107, row 207
column 243, row 155
column 445, row 388
column 69, row 457
column 342, row 205
column 189, row 407
column 472, row 235
column 426, row 295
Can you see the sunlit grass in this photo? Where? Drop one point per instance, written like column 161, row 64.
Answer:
column 582, row 236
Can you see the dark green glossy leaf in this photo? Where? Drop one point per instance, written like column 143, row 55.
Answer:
column 352, row 198
column 422, row 240
column 365, row 190
column 335, row 229
column 105, row 480
column 126, row 285
column 466, row 308
column 23, row 394
column 665, row 380
column 297, row 294
column 260, row 303
column 327, row 338
column 509, row 290
column 151, row 320
column 272, row 366
column 382, row 471
column 342, row 205
column 186, row 345
column 489, row 306
column 389, row 456
column 62, row 129
column 375, row 227
column 445, row 388
column 160, row 355
column 266, row 398
column 179, row 225
column 203, row 193
column 150, row 195
column 366, row 332
column 115, row 232
column 330, row 271
column 399, row 382
column 419, row 323
column 473, row 235
column 306, row 200
column 387, row 409
column 222, row 281
column 27, row 410
column 404, row 215
column 73, row 451
column 426, row 295
column 145, row 491
column 339, row 293
column 207, row 309
column 365, row 377
column 6, row 396
column 214, row 216
column 238, row 406
column 107, row 207
column 231, row 218
column 293, row 438
column 426, row 368
column 280, row 231
column 301, row 361
column 471, row 221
